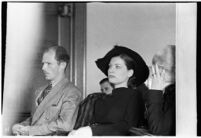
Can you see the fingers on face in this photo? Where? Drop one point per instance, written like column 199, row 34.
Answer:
column 163, row 73
column 157, row 70
column 153, row 70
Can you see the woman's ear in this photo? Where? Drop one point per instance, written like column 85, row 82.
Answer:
column 130, row 72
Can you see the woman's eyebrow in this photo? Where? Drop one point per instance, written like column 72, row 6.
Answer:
column 118, row 64
column 115, row 64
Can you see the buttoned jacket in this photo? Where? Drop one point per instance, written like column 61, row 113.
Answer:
column 57, row 112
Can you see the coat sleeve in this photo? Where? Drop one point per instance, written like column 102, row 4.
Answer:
column 160, row 121
column 66, row 118
column 26, row 122
column 131, row 118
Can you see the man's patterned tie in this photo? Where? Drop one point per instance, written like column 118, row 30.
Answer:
column 44, row 93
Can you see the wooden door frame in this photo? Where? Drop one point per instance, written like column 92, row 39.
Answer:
column 78, row 47
column 72, row 35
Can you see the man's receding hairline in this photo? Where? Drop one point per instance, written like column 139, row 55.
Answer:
column 50, row 50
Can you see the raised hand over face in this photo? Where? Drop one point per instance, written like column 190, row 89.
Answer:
column 157, row 78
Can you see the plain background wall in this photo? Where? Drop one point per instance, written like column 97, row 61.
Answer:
column 143, row 27
column 23, row 41
column 27, row 33
column 186, row 115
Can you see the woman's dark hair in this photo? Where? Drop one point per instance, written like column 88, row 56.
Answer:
column 130, row 64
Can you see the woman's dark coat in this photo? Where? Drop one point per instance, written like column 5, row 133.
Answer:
column 115, row 114
column 161, row 111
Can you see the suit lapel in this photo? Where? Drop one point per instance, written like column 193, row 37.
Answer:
column 39, row 94
column 52, row 98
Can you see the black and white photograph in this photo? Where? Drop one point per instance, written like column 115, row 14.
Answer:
column 100, row 68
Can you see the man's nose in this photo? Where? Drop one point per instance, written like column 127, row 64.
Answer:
column 43, row 67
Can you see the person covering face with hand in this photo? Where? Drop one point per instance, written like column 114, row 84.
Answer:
column 160, row 98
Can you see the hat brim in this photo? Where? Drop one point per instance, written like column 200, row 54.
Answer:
column 141, row 70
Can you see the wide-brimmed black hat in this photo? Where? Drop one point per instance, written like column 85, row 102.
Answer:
column 141, row 70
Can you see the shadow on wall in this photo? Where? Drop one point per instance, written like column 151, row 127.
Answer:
column 28, row 33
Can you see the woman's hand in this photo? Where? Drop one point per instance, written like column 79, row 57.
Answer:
column 83, row 131
column 157, row 80
column 72, row 133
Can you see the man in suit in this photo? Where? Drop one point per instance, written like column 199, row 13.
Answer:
column 57, row 103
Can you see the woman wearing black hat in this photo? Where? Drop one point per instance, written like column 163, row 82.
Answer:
column 116, row 113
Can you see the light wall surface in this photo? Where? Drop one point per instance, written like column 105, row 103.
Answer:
column 143, row 27
column 23, row 41
column 27, row 33
column 186, row 115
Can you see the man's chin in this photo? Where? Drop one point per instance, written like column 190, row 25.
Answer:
column 47, row 78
